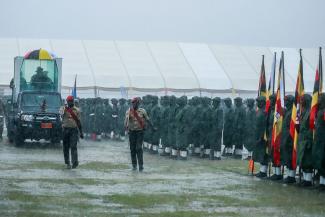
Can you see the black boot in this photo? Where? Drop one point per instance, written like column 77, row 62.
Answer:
column 289, row 180
column 275, row 177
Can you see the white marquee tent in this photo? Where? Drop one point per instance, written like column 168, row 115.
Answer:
column 132, row 68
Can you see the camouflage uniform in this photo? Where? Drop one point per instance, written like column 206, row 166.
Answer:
column 181, row 125
column 206, row 125
column 107, row 119
column 239, row 126
column 250, row 125
column 2, row 117
column 123, row 107
column 259, row 154
column 156, row 121
column 286, row 140
column 171, row 122
column 164, row 121
column 305, row 142
column 195, row 130
column 228, row 129
column 277, row 174
column 318, row 149
column 216, row 129
column 115, row 113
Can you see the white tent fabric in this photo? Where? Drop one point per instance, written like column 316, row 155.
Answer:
column 131, row 68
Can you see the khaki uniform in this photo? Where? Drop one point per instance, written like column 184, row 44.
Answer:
column 70, row 136
column 67, row 120
column 132, row 123
column 136, row 132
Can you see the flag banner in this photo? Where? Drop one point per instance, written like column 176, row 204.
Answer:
column 74, row 89
column 270, row 89
column 262, row 81
column 278, row 114
column 318, row 88
column 296, row 112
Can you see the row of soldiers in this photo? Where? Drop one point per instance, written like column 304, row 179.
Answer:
column 310, row 149
column 200, row 125
column 103, row 117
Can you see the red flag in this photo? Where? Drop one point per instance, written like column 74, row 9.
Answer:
column 271, row 85
column 278, row 114
column 318, row 88
column 296, row 112
column 262, row 81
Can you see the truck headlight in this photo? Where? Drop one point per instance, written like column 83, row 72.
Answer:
column 27, row 118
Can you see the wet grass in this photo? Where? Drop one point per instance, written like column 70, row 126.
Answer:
column 103, row 166
column 190, row 214
column 197, row 187
column 148, row 201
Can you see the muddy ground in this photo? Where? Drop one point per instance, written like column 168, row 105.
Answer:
column 34, row 182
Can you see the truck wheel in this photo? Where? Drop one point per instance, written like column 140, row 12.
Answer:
column 19, row 141
column 56, row 140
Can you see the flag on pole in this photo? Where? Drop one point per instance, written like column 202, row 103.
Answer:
column 278, row 113
column 74, row 89
column 296, row 112
column 262, row 81
column 318, row 88
column 271, row 85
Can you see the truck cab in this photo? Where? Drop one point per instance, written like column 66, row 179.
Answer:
column 36, row 100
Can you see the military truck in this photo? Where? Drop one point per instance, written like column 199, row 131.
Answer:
column 36, row 99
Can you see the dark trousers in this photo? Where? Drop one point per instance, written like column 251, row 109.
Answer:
column 70, row 138
column 136, row 140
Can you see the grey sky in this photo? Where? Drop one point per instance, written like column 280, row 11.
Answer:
column 286, row 23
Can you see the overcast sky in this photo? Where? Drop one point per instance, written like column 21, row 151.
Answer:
column 286, row 23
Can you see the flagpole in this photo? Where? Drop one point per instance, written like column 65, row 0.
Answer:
column 284, row 83
column 274, row 69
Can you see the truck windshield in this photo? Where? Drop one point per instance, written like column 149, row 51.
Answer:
column 37, row 100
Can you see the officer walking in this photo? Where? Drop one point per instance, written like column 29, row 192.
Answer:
column 135, row 123
column 71, row 124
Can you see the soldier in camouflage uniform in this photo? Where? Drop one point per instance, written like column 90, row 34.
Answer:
column 91, row 117
column 195, row 131
column 250, row 125
column 305, row 142
column 287, row 142
column 156, row 121
column 2, row 117
column 99, row 116
column 259, row 153
column 277, row 175
column 107, row 119
column 114, row 133
column 318, row 149
column 123, row 107
column 206, row 125
column 164, row 122
column 147, row 105
column 216, row 129
column 228, row 130
column 182, row 129
column 239, row 127
column 172, row 124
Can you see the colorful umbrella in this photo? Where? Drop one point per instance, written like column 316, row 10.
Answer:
column 39, row 54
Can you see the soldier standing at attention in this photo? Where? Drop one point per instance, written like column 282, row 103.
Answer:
column 71, row 124
column 135, row 123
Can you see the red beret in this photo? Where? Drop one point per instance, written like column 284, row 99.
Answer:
column 69, row 98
